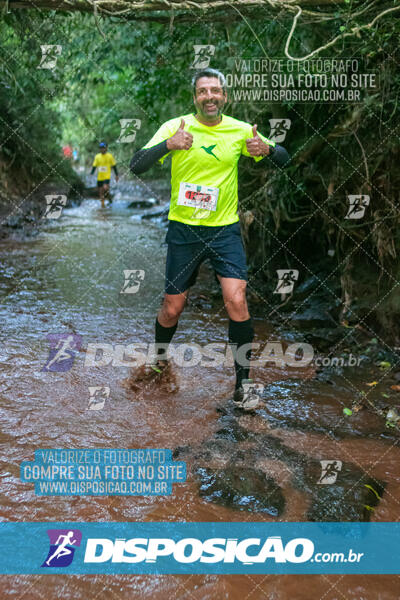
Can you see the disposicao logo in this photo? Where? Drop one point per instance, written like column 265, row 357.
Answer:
column 63, row 347
column 191, row 550
column 63, row 543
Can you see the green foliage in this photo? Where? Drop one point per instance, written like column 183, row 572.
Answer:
column 142, row 70
column 30, row 129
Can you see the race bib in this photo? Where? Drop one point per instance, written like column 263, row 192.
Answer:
column 103, row 169
column 200, row 197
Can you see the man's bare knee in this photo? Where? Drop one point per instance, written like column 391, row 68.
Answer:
column 237, row 308
column 172, row 308
column 234, row 293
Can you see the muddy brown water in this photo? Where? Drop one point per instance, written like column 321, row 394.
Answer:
column 68, row 279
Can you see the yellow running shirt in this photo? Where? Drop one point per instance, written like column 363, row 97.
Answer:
column 104, row 162
column 207, row 173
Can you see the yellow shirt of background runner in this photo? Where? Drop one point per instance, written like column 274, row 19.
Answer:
column 104, row 162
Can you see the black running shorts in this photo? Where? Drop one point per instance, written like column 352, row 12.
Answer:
column 190, row 246
column 102, row 182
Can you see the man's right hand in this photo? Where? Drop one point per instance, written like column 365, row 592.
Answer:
column 181, row 140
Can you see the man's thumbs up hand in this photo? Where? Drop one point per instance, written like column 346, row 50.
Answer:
column 181, row 140
column 255, row 146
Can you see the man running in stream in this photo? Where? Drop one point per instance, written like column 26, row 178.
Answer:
column 203, row 220
column 103, row 161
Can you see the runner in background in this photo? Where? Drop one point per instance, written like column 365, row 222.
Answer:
column 103, row 161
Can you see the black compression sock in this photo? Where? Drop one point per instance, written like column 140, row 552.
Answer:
column 241, row 333
column 163, row 337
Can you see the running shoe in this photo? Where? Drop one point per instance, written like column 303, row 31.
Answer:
column 245, row 397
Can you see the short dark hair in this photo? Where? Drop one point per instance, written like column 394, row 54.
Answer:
column 208, row 73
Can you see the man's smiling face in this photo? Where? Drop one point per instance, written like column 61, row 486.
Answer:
column 210, row 98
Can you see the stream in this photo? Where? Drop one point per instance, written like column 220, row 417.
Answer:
column 67, row 279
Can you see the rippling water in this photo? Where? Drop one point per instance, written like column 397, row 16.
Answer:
column 68, row 280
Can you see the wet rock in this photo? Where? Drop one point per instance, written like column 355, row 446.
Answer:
column 309, row 318
column 142, row 203
column 231, row 430
column 306, row 287
column 224, row 467
column 29, row 217
column 14, row 222
column 90, row 192
column 218, row 450
column 242, row 488
column 324, row 338
column 160, row 212
column 180, row 451
column 352, row 498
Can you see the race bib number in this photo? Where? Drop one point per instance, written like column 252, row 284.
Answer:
column 200, row 197
column 103, row 169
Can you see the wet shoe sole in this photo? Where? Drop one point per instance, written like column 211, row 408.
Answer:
column 245, row 408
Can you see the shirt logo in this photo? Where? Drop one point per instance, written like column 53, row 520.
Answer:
column 209, row 150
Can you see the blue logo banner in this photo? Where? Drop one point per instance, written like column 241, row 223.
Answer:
column 223, row 548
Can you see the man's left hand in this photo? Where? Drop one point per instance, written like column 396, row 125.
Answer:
column 255, row 146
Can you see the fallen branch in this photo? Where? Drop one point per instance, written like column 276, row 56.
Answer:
column 187, row 10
